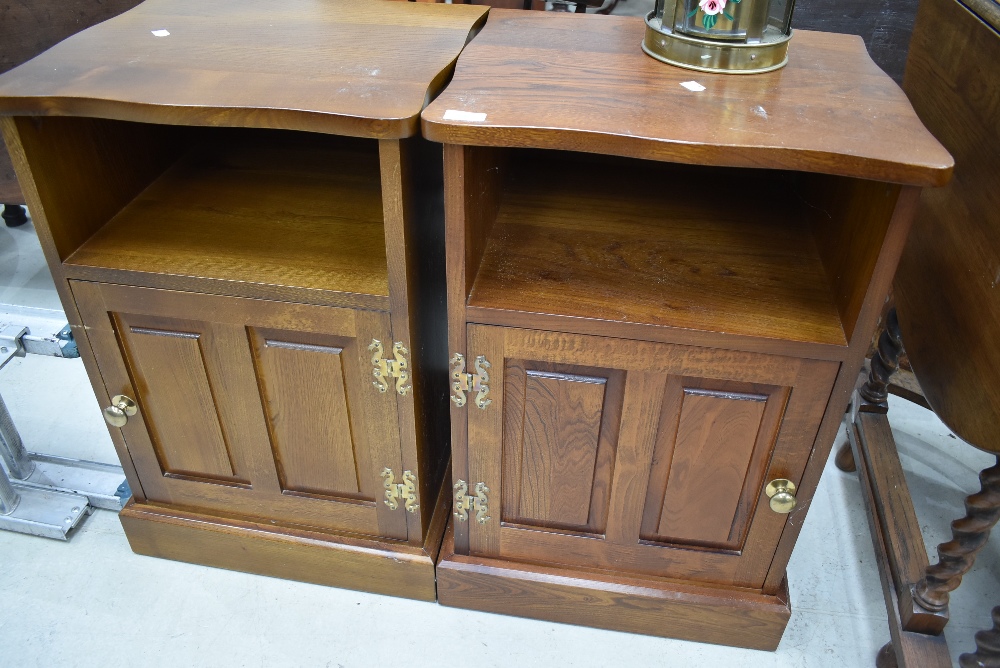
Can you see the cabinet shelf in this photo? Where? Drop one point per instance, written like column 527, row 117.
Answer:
column 257, row 207
column 720, row 250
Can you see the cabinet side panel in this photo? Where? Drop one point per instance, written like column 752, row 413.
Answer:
column 715, row 440
column 86, row 169
column 850, row 218
column 310, row 425
column 176, row 396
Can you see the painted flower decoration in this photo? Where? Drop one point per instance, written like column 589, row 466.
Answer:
column 711, row 10
column 712, row 7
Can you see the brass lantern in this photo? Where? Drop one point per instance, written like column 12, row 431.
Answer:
column 735, row 36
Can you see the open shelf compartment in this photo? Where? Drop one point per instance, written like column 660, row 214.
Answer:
column 727, row 251
column 252, row 212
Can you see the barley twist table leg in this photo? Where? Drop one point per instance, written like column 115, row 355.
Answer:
column 969, row 534
column 987, row 654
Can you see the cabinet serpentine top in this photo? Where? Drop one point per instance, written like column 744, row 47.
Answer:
column 580, row 82
column 353, row 67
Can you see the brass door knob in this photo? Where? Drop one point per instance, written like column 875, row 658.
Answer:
column 782, row 494
column 120, row 410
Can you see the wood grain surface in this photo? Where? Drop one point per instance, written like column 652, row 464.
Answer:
column 899, row 547
column 215, row 406
column 560, row 431
column 718, row 427
column 353, row 67
column 580, row 82
column 472, row 183
column 850, row 219
column 653, row 607
column 273, row 209
column 384, row 567
column 714, row 250
column 719, row 539
column 167, row 360
column 898, row 541
column 311, row 424
column 947, row 294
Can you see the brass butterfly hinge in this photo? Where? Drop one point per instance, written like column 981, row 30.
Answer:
column 385, row 369
column 463, row 382
column 464, row 503
column 406, row 489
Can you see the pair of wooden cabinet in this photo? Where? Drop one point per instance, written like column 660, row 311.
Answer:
column 647, row 304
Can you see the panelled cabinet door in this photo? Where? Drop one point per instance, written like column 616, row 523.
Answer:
column 635, row 456
column 247, row 406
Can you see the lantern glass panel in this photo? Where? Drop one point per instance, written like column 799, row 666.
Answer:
column 780, row 15
column 714, row 19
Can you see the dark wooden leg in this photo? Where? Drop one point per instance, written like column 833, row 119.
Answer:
column 14, row 215
column 969, row 534
column 987, row 654
column 845, row 459
column 884, row 363
column 886, row 657
column 875, row 391
column 916, row 638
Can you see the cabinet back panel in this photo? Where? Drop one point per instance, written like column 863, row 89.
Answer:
column 310, row 425
column 167, row 362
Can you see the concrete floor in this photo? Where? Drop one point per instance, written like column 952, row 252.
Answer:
column 92, row 602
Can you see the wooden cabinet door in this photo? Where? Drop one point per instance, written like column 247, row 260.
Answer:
column 249, row 407
column 638, row 457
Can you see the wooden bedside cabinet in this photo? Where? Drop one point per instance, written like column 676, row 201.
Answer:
column 659, row 302
column 231, row 199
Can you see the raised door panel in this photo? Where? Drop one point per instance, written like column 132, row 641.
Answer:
column 715, row 440
column 168, row 368
column 301, row 414
column 637, row 456
column 560, row 445
column 711, row 459
column 282, row 392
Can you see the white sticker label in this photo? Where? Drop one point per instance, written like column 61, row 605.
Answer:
column 160, row 33
column 457, row 115
column 693, row 86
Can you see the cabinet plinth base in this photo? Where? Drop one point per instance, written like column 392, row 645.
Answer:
column 620, row 603
column 380, row 567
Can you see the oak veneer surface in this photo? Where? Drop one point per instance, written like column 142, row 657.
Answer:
column 286, row 209
column 668, row 427
column 946, row 286
column 652, row 606
column 714, row 250
column 579, row 82
column 354, row 67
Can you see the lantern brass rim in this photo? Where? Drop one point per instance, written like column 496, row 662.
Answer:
column 711, row 56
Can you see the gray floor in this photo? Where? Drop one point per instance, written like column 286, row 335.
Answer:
column 91, row 602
